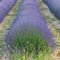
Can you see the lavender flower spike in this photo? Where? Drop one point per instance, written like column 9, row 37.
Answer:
column 54, row 6
column 29, row 22
column 5, row 7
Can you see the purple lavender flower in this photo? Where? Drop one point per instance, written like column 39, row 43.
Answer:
column 29, row 25
column 5, row 7
column 54, row 6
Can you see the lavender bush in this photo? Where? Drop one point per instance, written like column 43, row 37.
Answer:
column 5, row 7
column 29, row 32
column 54, row 6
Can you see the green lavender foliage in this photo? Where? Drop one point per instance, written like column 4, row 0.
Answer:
column 29, row 42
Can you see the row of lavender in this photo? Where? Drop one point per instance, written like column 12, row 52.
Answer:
column 5, row 7
column 54, row 6
column 29, row 31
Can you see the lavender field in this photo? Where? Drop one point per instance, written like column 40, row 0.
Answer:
column 52, row 21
